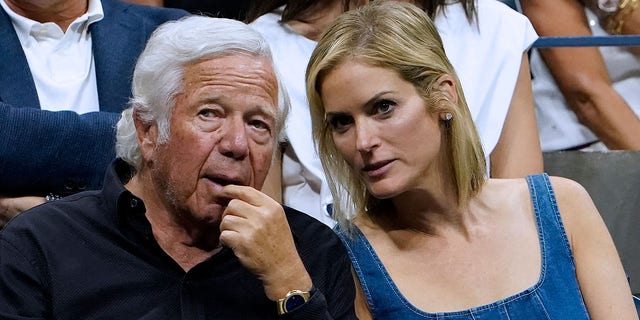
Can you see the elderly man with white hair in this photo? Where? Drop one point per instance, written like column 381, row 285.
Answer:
column 180, row 229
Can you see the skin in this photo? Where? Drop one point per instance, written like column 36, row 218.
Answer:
column 632, row 24
column 201, row 186
column 61, row 12
column 11, row 207
column 388, row 108
column 156, row 3
column 441, row 255
column 581, row 74
column 518, row 152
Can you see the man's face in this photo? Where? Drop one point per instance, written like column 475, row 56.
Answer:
column 222, row 132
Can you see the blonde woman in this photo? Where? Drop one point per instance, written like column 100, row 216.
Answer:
column 430, row 236
column 487, row 42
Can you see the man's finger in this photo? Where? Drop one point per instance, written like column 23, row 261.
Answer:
column 239, row 208
column 246, row 194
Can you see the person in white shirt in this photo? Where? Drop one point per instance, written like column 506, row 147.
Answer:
column 65, row 77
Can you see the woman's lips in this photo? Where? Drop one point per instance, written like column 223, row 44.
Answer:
column 376, row 169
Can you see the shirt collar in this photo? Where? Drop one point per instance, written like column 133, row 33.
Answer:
column 118, row 198
column 25, row 25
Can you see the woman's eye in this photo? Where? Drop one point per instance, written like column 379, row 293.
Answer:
column 383, row 107
column 339, row 123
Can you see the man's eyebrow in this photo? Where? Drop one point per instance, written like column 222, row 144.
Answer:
column 267, row 111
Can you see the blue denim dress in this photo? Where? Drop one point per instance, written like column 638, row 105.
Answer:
column 556, row 295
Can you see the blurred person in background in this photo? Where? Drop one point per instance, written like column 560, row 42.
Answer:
column 65, row 76
column 587, row 98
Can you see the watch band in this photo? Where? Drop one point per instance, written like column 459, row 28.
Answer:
column 293, row 299
column 51, row 197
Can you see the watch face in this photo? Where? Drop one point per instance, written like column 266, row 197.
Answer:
column 608, row 5
column 293, row 302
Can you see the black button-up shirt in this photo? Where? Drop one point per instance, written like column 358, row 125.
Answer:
column 92, row 255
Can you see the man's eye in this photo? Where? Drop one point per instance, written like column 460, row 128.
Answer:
column 207, row 113
column 259, row 124
column 339, row 123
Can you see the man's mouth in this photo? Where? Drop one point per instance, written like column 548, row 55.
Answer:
column 223, row 181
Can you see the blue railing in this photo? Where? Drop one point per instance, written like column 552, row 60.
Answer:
column 588, row 41
column 581, row 41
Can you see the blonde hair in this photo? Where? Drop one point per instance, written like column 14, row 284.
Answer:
column 401, row 37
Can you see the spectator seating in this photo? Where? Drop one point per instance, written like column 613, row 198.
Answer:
column 612, row 178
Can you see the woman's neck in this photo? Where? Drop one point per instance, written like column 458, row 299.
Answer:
column 428, row 210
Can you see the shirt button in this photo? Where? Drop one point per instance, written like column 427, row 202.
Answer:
column 69, row 184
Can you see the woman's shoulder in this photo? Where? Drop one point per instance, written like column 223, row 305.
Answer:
column 500, row 188
column 570, row 196
column 566, row 191
column 560, row 185
column 573, row 201
column 514, row 195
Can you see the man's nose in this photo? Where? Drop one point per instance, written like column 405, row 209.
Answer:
column 234, row 142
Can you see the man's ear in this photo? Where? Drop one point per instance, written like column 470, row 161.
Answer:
column 447, row 85
column 147, row 132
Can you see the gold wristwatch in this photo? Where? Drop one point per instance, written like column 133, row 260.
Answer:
column 292, row 300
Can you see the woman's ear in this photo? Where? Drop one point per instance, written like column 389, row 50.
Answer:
column 447, row 85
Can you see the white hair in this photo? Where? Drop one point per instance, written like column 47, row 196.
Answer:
column 158, row 74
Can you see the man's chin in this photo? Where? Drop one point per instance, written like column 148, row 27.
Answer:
column 212, row 213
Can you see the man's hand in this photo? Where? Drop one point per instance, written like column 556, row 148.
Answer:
column 11, row 207
column 255, row 227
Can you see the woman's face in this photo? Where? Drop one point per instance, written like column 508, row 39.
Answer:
column 381, row 127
